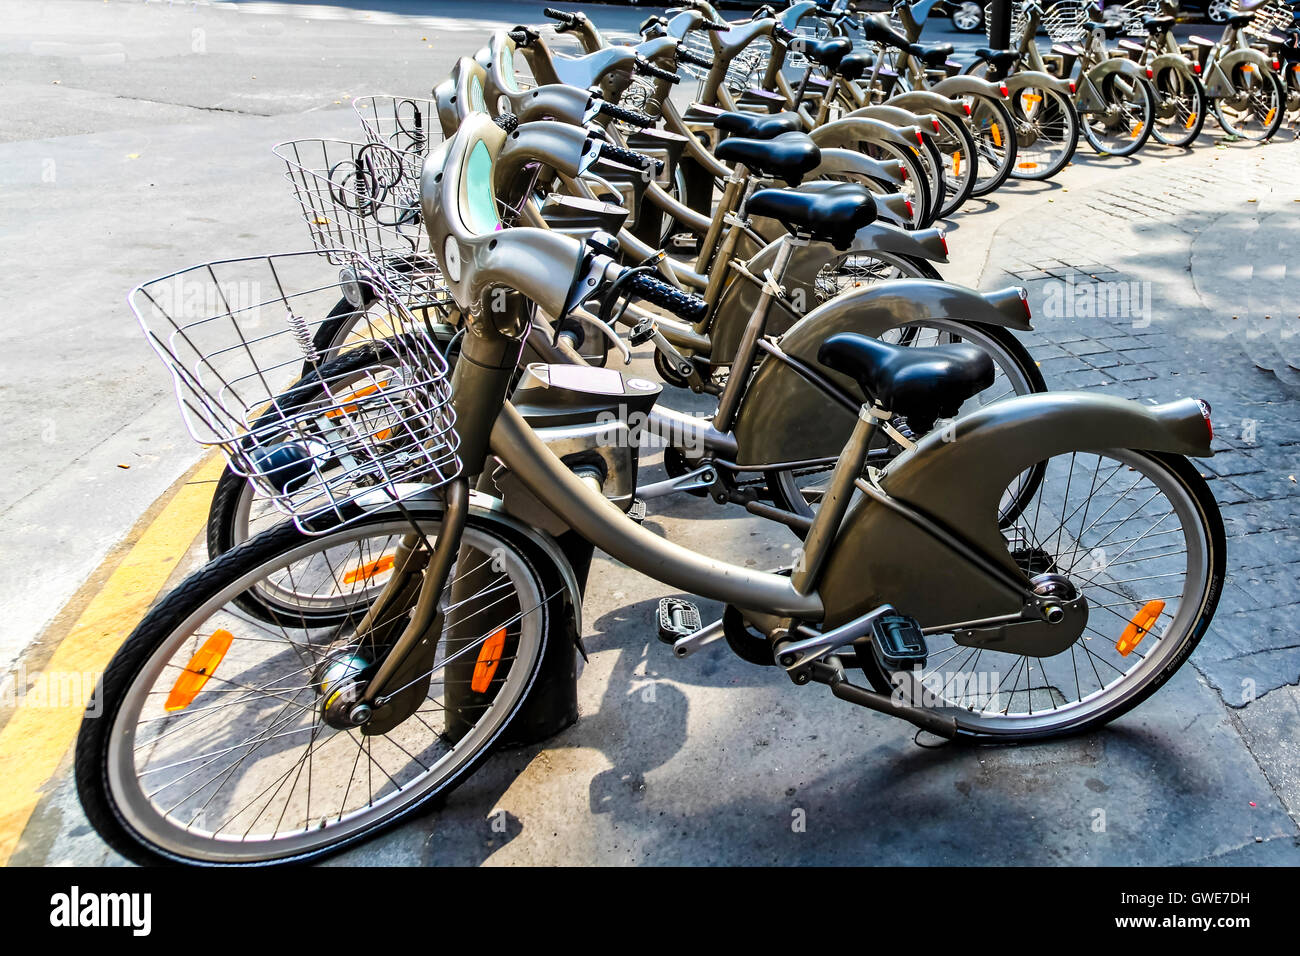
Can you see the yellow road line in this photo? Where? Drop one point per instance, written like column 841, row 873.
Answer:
column 33, row 742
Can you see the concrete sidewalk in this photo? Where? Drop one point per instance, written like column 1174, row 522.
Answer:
column 712, row 760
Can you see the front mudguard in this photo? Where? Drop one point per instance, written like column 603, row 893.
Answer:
column 741, row 296
column 957, row 477
column 839, row 162
column 1219, row 83
column 784, row 418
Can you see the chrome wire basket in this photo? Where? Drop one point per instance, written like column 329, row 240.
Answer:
column 1132, row 15
column 1064, row 21
column 362, row 200
column 323, row 439
column 745, row 70
column 1271, row 19
column 408, row 124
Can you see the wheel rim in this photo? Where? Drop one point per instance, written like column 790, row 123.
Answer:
column 196, row 805
column 968, row 16
column 1126, row 531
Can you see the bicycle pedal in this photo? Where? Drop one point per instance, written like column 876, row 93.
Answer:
column 897, row 642
column 637, row 510
column 678, row 618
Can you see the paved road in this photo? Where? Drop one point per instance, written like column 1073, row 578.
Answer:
column 135, row 142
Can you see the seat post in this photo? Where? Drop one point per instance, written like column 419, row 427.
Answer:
column 835, row 504
column 743, row 360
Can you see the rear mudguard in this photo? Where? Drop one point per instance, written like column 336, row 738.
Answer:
column 836, row 161
column 962, row 85
column 1089, row 95
column 1036, row 80
column 1218, row 83
column 1172, row 61
column 897, row 115
column 784, row 418
column 847, row 133
column 956, row 477
column 922, row 101
column 741, row 296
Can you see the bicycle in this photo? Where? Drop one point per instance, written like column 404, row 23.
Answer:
column 384, row 693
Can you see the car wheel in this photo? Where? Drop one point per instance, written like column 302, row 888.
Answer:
column 967, row 16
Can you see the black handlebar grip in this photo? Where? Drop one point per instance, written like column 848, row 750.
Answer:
column 647, row 68
column 826, row 11
column 718, row 26
column 520, row 37
column 630, row 157
column 570, row 19
column 782, row 34
column 625, row 115
column 681, row 304
column 690, row 56
column 508, row 122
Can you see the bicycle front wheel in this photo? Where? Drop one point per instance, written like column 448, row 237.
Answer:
column 1181, row 113
column 993, row 127
column 213, row 745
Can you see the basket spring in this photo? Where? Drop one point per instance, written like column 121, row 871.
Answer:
column 302, row 335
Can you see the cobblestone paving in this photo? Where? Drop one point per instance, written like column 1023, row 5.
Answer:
column 1165, row 318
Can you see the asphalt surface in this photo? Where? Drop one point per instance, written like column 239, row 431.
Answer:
column 135, row 141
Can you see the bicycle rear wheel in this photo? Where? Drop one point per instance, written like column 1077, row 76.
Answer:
column 1139, row 535
column 1257, row 105
column 1047, row 132
column 993, row 127
column 1123, row 126
column 1181, row 114
column 246, row 769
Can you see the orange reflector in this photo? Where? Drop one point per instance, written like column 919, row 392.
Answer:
column 1026, row 165
column 1139, row 626
column 1269, row 118
column 1032, row 97
column 1247, row 68
column 368, row 571
column 1137, row 131
column 198, row 670
column 1191, row 121
column 359, row 393
column 996, row 133
column 489, row 656
column 956, row 164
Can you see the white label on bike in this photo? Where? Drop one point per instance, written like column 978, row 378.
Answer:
column 580, row 378
column 451, row 258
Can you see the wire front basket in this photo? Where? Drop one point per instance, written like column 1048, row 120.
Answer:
column 362, row 200
column 745, row 70
column 324, row 437
column 1133, row 14
column 405, row 123
column 1271, row 19
column 1064, row 21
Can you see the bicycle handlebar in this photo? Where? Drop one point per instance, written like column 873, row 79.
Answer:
column 647, row 68
column 523, row 36
column 684, row 305
column 568, row 19
column 686, row 55
column 630, row 157
column 625, row 115
column 717, row 26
